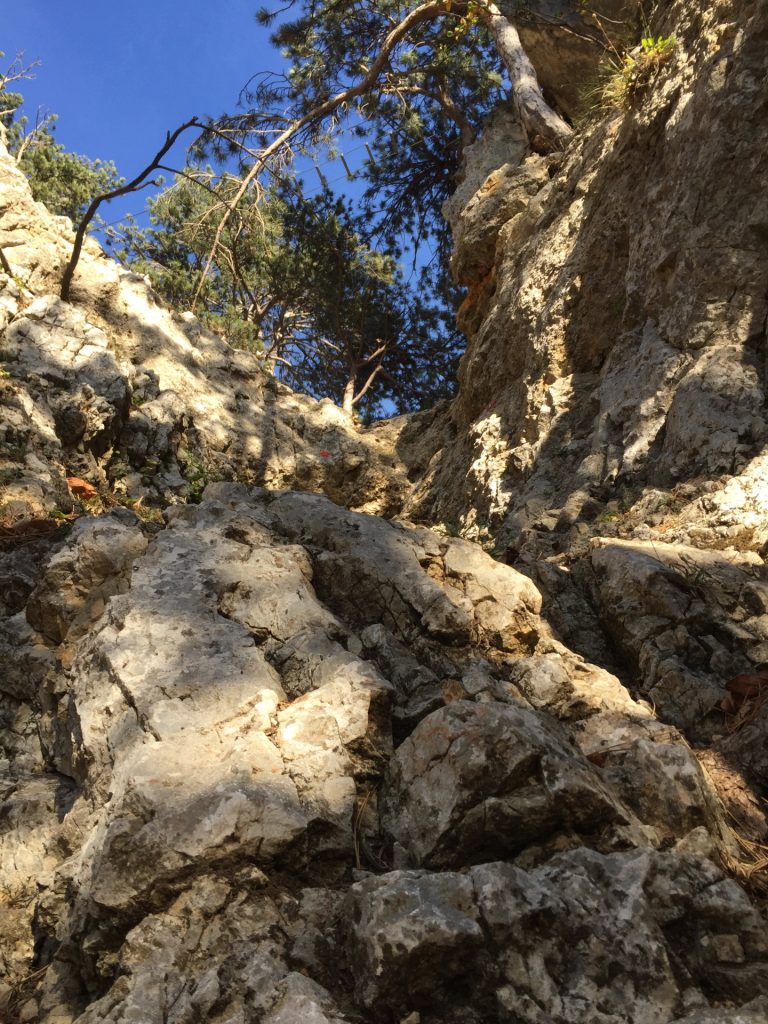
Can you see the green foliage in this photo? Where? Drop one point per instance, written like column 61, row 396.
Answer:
column 195, row 473
column 172, row 252
column 438, row 87
column 360, row 305
column 65, row 182
column 631, row 73
column 299, row 281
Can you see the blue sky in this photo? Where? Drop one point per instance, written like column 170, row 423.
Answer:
column 120, row 75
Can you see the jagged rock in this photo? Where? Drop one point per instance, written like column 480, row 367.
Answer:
column 619, row 341
column 686, row 616
column 26, row 657
column 35, row 244
column 31, row 485
column 494, row 190
column 570, row 689
column 410, row 934
column 588, row 938
column 329, row 736
column 383, row 564
column 376, row 569
column 195, row 762
column 155, row 429
column 740, row 760
column 753, row 1014
column 32, row 845
column 218, row 953
column 565, row 41
column 478, row 781
column 220, row 733
column 584, row 939
column 55, row 346
column 95, row 563
column 165, row 819
column 419, row 689
column 159, row 405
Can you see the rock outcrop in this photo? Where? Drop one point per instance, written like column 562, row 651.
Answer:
column 146, row 404
column 616, row 311
column 228, row 831
column 273, row 750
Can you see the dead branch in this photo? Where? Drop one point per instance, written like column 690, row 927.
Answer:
column 31, row 138
column 135, row 185
column 17, row 71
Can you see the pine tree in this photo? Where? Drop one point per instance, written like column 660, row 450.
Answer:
column 300, row 281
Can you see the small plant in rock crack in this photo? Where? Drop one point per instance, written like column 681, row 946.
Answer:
column 16, row 895
column 609, row 516
column 194, row 472
column 630, row 74
column 147, row 513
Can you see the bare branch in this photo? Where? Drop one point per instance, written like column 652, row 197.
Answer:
column 365, row 388
column 32, row 137
column 17, row 71
column 425, row 12
column 135, row 185
column 546, row 129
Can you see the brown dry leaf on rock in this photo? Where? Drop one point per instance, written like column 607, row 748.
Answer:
column 81, row 488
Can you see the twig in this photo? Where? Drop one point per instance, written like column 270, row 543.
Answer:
column 132, row 186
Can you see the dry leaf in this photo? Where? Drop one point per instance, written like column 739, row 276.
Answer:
column 81, row 487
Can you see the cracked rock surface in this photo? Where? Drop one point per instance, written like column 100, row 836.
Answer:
column 244, row 815
column 271, row 752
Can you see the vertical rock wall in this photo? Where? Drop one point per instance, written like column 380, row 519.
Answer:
column 616, row 307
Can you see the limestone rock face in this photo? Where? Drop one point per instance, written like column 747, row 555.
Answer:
column 690, row 618
column 616, row 310
column 609, row 433
column 531, row 785
column 586, row 938
column 234, row 820
column 565, row 41
column 269, row 757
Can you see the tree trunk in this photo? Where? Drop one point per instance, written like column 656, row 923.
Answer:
column 348, row 401
column 547, row 131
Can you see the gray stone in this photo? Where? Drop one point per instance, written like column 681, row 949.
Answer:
column 586, row 938
column 595, row 939
column 203, row 740
column 479, row 781
column 409, row 933
column 94, row 565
